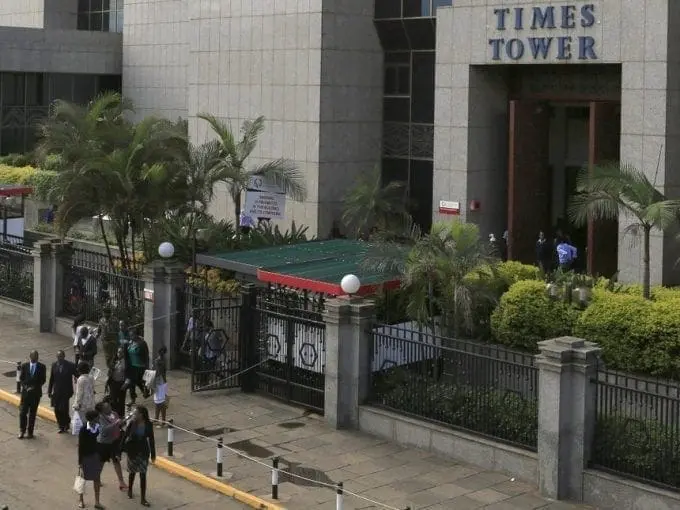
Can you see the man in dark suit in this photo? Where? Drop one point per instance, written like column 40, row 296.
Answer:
column 60, row 389
column 32, row 379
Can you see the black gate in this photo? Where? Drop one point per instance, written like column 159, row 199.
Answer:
column 291, row 343
column 209, row 340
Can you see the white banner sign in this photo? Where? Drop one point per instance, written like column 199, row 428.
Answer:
column 259, row 183
column 264, row 204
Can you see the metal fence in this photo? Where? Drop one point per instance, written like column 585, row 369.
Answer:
column 480, row 388
column 92, row 284
column 291, row 338
column 638, row 428
column 16, row 271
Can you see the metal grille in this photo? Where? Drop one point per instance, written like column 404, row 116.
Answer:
column 292, row 340
column 407, row 140
column 16, row 272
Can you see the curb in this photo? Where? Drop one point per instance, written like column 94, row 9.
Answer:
column 172, row 468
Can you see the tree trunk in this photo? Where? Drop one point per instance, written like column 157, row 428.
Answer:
column 106, row 241
column 646, row 284
column 236, row 196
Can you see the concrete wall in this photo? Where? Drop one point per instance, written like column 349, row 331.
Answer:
column 22, row 13
column 450, row 443
column 603, row 490
column 59, row 51
column 156, row 56
column 633, row 33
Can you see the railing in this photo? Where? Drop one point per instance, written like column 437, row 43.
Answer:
column 16, row 272
column 638, row 429
column 475, row 387
column 92, row 284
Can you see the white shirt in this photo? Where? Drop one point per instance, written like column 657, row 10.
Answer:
column 76, row 336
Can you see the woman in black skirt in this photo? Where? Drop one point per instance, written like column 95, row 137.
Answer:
column 139, row 445
column 110, row 438
column 89, row 458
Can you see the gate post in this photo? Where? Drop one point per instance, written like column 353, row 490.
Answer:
column 249, row 348
column 567, row 408
column 161, row 281
column 348, row 359
column 44, row 315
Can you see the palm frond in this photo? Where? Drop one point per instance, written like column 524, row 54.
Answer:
column 250, row 133
column 285, row 175
column 223, row 132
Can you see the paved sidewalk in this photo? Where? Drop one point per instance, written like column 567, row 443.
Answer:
column 262, row 428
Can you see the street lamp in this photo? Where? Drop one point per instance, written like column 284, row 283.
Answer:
column 166, row 250
column 350, row 284
column 197, row 235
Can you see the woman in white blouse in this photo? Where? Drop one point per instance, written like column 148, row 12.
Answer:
column 84, row 399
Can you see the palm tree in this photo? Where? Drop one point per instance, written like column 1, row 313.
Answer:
column 372, row 205
column 435, row 269
column 112, row 167
column 232, row 162
column 613, row 190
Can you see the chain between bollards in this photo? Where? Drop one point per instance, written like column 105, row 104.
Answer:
column 220, row 450
column 171, row 437
column 18, row 377
column 339, row 496
column 275, row 478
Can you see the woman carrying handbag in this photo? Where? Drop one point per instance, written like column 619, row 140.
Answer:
column 139, row 445
column 89, row 459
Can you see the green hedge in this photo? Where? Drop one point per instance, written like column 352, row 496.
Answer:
column 646, row 449
column 42, row 181
column 526, row 315
column 504, row 415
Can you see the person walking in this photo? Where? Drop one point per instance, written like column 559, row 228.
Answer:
column 88, row 347
column 108, row 337
column 138, row 363
column 160, row 386
column 566, row 254
column 110, row 438
column 80, row 334
column 543, row 253
column 115, row 383
column 89, row 456
column 60, row 389
column 140, row 446
column 32, row 378
column 84, row 400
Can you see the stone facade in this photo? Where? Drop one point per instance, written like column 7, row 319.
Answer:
column 471, row 155
column 22, row 13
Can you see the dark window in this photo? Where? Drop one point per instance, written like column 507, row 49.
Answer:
column 109, row 83
column 396, row 109
column 397, row 79
column 392, row 35
column 100, row 15
column 394, row 170
column 417, row 8
column 35, row 89
column 13, row 89
column 385, row 9
column 422, row 95
column 61, row 87
column 84, row 86
column 421, row 33
column 420, row 192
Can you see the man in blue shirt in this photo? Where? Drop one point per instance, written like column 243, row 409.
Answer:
column 566, row 254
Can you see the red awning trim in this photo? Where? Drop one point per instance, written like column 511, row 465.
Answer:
column 12, row 191
column 332, row 289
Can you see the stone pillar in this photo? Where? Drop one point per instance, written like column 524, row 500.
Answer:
column 174, row 280
column 566, row 414
column 155, row 307
column 43, row 287
column 348, row 359
column 62, row 253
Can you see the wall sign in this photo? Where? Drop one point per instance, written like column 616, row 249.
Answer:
column 264, row 199
column 449, row 207
column 526, row 43
column 148, row 295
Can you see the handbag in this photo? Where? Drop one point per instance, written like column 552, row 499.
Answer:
column 76, row 423
column 79, row 483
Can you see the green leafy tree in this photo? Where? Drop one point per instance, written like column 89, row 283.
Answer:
column 233, row 162
column 113, row 168
column 371, row 205
column 435, row 270
column 618, row 190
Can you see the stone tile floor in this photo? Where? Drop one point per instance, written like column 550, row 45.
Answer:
column 379, row 473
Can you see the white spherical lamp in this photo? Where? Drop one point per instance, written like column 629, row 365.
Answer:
column 166, row 250
column 350, row 284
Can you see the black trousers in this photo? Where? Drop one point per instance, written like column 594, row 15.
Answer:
column 117, row 394
column 137, row 379
column 28, row 410
column 62, row 412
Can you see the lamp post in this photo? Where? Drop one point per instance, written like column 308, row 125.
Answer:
column 350, row 284
column 196, row 235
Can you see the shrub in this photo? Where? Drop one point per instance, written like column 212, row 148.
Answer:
column 610, row 321
column 214, row 279
column 526, row 315
column 655, row 340
column 16, row 160
column 511, row 272
column 42, row 181
column 645, row 448
column 505, row 415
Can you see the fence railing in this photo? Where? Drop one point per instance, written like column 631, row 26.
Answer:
column 479, row 388
column 637, row 431
column 16, row 273
column 93, row 284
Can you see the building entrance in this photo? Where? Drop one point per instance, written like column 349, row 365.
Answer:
column 549, row 143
